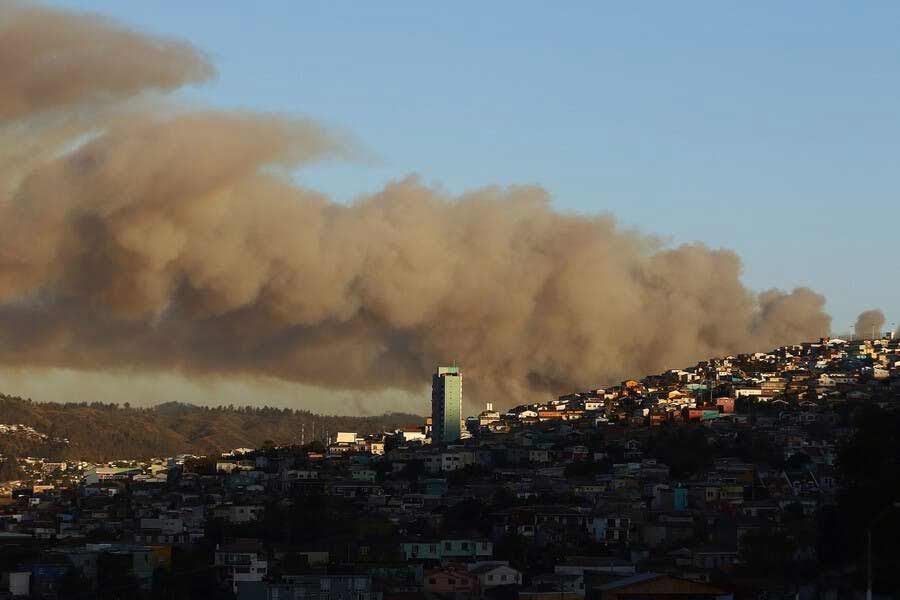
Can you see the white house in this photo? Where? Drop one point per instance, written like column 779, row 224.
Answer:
column 610, row 529
column 241, row 562
column 746, row 392
column 492, row 574
column 344, row 437
column 538, row 456
column 18, row 583
column 453, row 461
column 238, row 513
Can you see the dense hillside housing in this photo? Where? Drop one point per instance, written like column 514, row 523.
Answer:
column 712, row 481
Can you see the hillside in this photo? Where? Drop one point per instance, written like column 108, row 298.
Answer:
column 99, row 431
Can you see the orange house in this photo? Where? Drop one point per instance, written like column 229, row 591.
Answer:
column 725, row 405
column 450, row 580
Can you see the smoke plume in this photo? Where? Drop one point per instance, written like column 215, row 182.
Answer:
column 137, row 234
column 869, row 323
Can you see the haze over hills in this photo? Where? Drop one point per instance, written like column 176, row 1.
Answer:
column 96, row 431
column 99, row 431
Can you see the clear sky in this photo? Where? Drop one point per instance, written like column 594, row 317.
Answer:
column 772, row 128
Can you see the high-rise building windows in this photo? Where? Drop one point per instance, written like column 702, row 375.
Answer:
column 446, row 404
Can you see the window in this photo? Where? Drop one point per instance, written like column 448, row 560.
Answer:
column 490, row 577
column 503, row 577
column 451, row 581
column 448, row 546
column 432, row 580
column 465, row 545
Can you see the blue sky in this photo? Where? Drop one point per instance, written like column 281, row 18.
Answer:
column 769, row 128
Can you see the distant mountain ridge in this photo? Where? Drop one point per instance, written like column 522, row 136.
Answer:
column 100, row 432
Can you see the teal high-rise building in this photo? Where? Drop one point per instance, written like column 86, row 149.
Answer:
column 446, row 405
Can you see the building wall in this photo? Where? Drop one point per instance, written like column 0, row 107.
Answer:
column 241, row 566
column 19, row 583
column 444, row 549
column 450, row 581
column 446, row 404
column 502, row 575
column 666, row 587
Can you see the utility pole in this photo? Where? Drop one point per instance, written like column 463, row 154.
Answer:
column 869, row 563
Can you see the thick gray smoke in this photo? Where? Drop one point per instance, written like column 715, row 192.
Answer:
column 870, row 324
column 136, row 234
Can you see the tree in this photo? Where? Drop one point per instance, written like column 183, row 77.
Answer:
column 73, row 584
column 797, row 461
column 587, row 469
column 413, row 470
column 768, row 553
column 315, row 446
column 10, row 469
column 869, row 468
